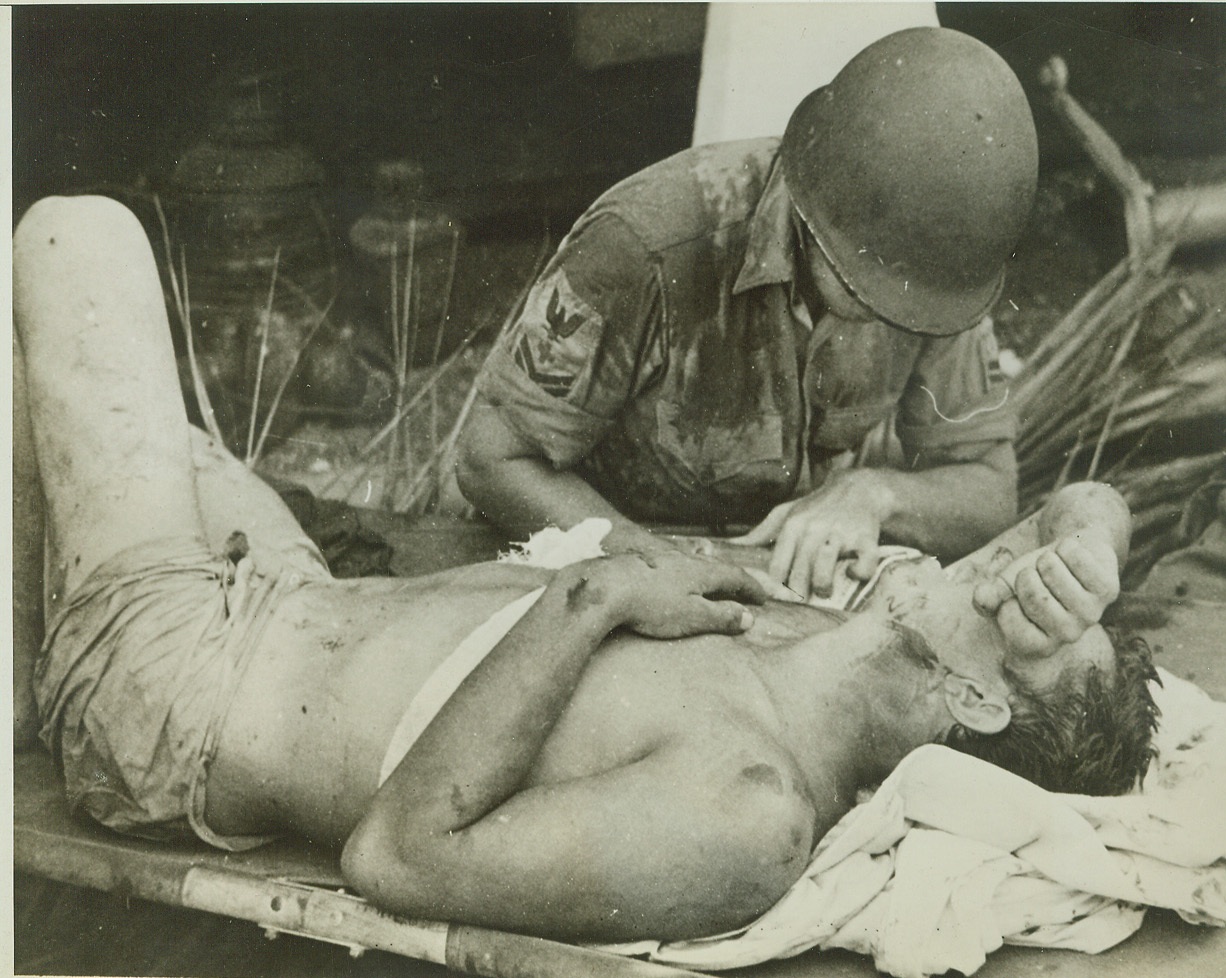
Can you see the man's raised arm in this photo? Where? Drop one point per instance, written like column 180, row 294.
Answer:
column 1051, row 595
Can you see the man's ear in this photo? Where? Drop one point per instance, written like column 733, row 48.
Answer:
column 975, row 706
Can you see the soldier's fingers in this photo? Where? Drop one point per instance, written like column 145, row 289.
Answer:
column 800, row 575
column 785, row 552
column 988, row 596
column 1021, row 634
column 823, row 568
column 1043, row 609
column 714, row 577
column 766, row 531
column 868, row 555
column 1084, row 605
column 774, row 590
column 725, row 617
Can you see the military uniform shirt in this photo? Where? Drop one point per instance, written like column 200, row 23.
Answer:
column 664, row 355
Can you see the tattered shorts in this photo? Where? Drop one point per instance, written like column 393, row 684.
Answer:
column 136, row 677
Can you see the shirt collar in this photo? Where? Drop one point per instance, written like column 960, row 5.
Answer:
column 770, row 256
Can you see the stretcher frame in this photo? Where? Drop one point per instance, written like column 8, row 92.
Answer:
column 293, row 888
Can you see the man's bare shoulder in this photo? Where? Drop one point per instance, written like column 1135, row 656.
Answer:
column 744, row 825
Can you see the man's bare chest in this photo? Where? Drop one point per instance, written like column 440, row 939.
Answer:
column 700, row 699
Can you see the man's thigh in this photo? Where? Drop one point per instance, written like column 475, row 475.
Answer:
column 110, row 430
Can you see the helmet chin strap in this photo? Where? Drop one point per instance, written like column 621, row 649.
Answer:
column 810, row 250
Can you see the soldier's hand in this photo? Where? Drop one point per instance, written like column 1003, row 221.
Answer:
column 812, row 533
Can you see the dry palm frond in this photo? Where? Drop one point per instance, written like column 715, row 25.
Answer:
column 1149, row 485
column 1158, row 497
column 426, row 485
column 1099, row 385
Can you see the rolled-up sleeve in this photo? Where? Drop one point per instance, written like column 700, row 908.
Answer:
column 956, row 404
column 588, row 339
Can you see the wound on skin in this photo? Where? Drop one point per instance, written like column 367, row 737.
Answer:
column 580, row 596
column 236, row 547
column 765, row 775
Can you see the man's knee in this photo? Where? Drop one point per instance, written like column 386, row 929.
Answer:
column 92, row 224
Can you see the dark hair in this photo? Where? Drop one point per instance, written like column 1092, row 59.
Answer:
column 1091, row 741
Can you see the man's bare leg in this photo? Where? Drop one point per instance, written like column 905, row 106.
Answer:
column 110, row 430
column 29, row 523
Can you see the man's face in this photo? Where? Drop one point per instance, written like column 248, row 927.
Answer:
column 919, row 594
column 1070, row 662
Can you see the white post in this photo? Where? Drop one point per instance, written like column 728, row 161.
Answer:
column 760, row 59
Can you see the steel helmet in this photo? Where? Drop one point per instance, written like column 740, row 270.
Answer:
column 915, row 170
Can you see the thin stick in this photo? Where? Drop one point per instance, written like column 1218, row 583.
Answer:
column 415, row 327
column 1062, row 478
column 259, row 366
column 395, row 315
column 1120, row 467
column 281, row 387
column 406, row 430
column 412, row 302
column 399, row 450
column 1105, row 433
column 412, row 319
column 203, row 401
column 1124, row 347
column 184, row 310
column 397, row 342
column 438, row 334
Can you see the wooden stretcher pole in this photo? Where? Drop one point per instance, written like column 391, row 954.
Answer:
column 500, row 954
column 282, row 906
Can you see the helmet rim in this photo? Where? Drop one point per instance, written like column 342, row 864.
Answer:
column 915, row 170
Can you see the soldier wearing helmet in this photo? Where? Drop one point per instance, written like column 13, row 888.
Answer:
column 718, row 333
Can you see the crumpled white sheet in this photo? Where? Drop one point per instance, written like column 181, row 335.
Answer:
column 952, row 856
